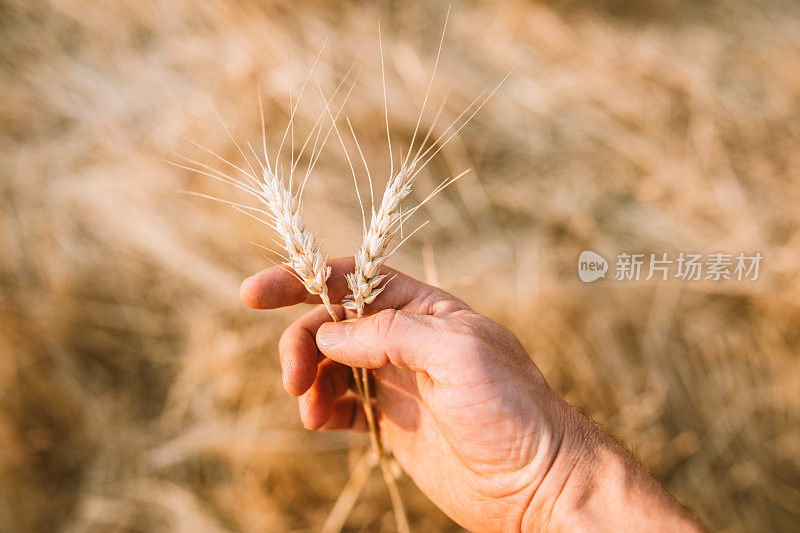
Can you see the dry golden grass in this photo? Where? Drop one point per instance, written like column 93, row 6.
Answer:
column 137, row 393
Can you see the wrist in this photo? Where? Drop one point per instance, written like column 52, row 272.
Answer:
column 594, row 484
column 546, row 511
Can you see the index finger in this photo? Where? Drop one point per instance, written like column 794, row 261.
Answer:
column 276, row 287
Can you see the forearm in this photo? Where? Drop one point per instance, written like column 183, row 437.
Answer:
column 594, row 484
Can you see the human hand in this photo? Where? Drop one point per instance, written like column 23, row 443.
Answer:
column 463, row 408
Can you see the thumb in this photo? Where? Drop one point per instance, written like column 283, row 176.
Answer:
column 403, row 339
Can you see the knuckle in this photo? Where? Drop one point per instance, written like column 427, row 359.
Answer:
column 386, row 322
column 468, row 342
column 449, row 305
column 474, row 333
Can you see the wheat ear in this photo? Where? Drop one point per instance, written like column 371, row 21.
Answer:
column 304, row 255
column 301, row 249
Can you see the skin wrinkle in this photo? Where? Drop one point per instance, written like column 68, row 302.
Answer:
column 500, row 462
column 467, row 405
column 500, row 496
column 549, row 516
column 558, row 444
column 425, row 385
column 586, row 456
column 481, row 424
column 495, row 500
column 459, row 454
column 449, row 308
column 523, row 442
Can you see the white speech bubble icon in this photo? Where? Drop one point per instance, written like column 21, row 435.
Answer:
column 591, row 266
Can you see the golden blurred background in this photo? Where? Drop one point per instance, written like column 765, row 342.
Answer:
column 138, row 394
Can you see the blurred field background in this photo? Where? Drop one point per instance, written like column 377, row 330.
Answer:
column 138, row 394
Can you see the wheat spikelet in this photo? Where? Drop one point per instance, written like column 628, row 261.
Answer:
column 365, row 281
column 304, row 255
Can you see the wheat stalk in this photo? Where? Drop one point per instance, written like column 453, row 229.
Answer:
column 365, row 285
column 367, row 281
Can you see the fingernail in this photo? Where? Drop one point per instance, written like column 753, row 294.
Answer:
column 333, row 333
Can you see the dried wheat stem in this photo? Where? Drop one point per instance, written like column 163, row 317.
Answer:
column 365, row 281
column 365, row 284
column 361, row 377
column 400, row 517
column 349, row 495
